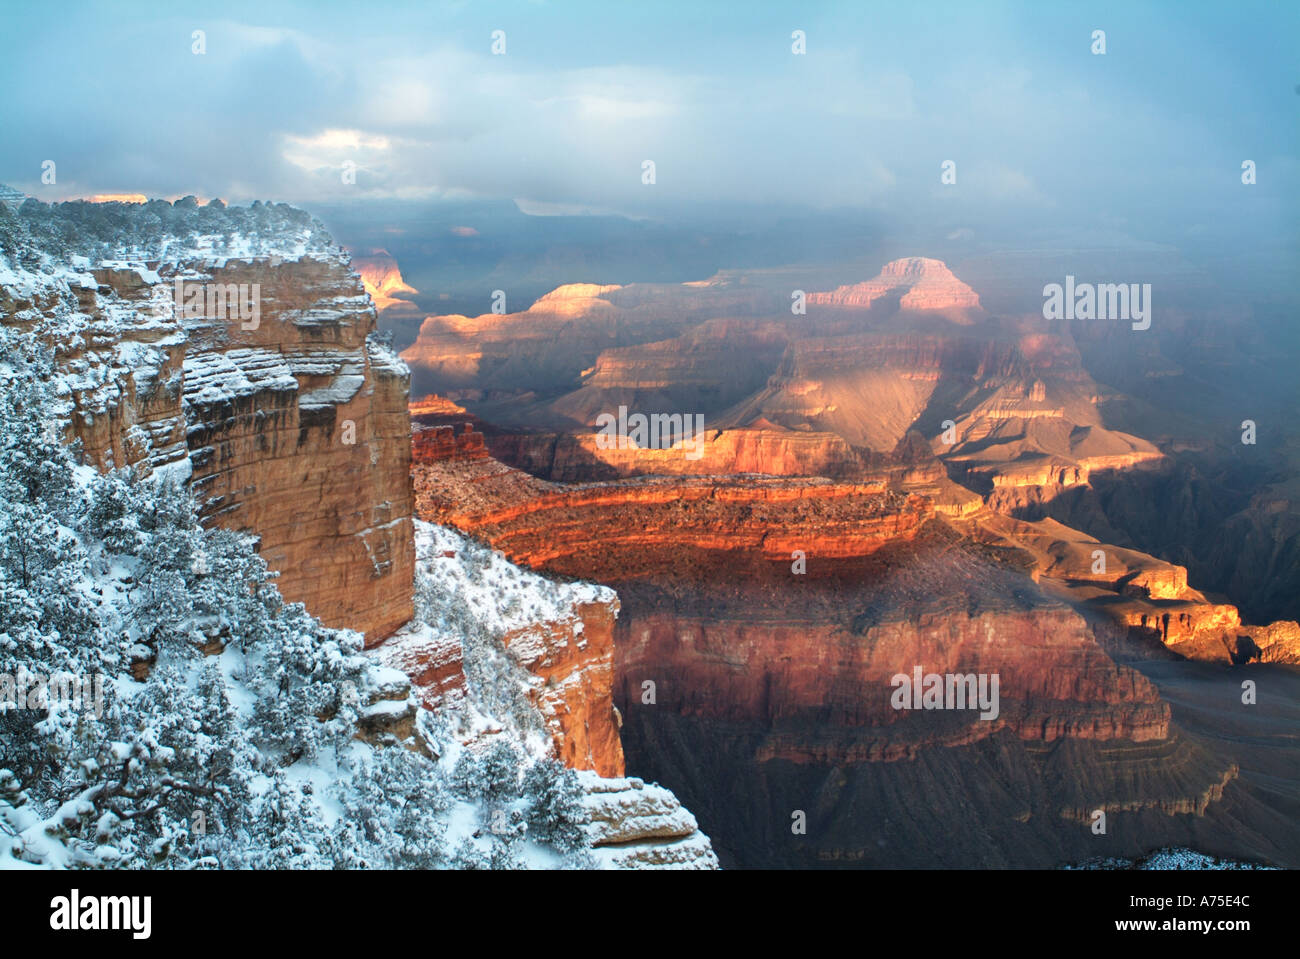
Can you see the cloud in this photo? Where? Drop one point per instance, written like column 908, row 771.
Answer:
column 732, row 119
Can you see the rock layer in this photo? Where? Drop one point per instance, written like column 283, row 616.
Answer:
column 633, row 825
column 292, row 423
column 753, row 684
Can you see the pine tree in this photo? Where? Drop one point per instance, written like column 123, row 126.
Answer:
column 555, row 809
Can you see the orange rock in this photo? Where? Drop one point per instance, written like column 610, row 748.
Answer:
column 575, row 657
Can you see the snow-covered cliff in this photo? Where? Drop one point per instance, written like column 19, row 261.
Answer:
column 276, row 407
column 234, row 345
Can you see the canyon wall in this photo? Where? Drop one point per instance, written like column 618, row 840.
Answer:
column 522, row 641
column 763, row 621
column 291, row 425
column 298, row 430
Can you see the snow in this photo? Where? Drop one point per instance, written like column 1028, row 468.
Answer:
column 127, row 343
column 341, row 391
column 177, row 471
column 639, row 825
column 1172, row 858
column 212, row 377
column 504, row 597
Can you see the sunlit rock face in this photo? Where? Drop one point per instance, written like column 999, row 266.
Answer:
column 573, row 656
column 1140, row 596
column 921, row 284
column 382, row 278
column 787, row 383
column 273, row 401
column 298, row 431
column 755, row 691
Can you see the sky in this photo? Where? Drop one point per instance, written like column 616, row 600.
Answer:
column 1143, row 144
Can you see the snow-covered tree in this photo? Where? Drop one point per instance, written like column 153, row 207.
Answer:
column 555, row 810
column 224, row 731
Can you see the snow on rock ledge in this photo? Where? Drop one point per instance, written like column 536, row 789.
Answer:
column 558, row 639
column 291, row 425
column 635, row 825
column 499, row 650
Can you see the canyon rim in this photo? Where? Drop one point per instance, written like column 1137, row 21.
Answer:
column 482, row 451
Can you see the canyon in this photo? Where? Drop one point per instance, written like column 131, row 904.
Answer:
column 295, row 429
column 770, row 683
column 290, row 423
column 892, row 478
column 904, row 379
column 878, row 489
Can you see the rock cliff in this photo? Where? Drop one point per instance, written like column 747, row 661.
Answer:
column 240, row 357
column 552, row 641
column 298, row 430
column 758, row 686
column 244, row 362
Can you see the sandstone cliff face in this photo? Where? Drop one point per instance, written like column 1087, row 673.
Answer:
column 756, row 690
column 573, row 656
column 924, row 284
column 633, row 825
column 299, row 431
column 831, row 703
column 1211, row 631
column 512, row 633
column 399, row 315
column 433, row 661
column 293, row 424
